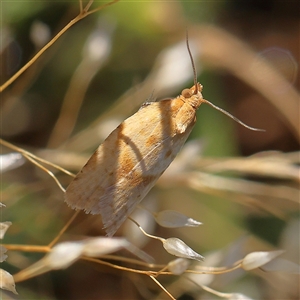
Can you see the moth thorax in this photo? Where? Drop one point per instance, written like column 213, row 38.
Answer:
column 196, row 100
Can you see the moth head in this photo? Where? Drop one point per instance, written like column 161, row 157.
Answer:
column 193, row 95
column 194, row 90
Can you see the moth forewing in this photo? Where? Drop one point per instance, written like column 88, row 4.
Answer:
column 128, row 163
column 132, row 158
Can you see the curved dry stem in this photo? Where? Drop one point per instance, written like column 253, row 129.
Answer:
column 63, row 230
column 145, row 233
column 29, row 154
column 27, row 248
column 83, row 13
column 162, row 287
column 45, row 170
column 102, row 262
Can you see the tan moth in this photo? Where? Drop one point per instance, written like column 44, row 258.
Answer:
column 128, row 163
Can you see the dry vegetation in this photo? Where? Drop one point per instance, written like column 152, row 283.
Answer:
column 97, row 69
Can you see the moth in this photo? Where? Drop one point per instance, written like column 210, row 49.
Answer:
column 131, row 159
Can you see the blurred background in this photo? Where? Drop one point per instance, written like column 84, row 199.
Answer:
column 243, row 185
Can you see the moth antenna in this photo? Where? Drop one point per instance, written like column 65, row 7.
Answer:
column 231, row 116
column 192, row 61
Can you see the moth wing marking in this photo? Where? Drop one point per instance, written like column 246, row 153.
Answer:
column 115, row 202
column 120, row 199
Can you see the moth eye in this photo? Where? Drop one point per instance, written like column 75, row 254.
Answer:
column 187, row 93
